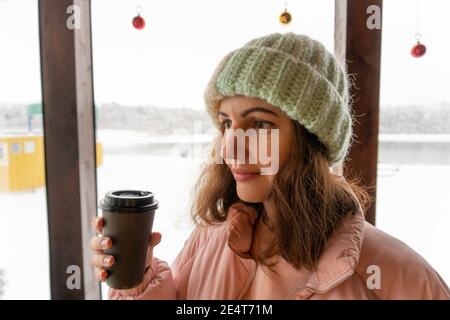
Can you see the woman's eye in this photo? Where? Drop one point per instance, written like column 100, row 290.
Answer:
column 261, row 124
column 226, row 124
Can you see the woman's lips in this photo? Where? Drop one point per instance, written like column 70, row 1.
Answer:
column 244, row 175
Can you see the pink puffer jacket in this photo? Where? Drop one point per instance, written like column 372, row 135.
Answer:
column 359, row 262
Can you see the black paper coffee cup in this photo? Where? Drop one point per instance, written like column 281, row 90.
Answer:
column 128, row 220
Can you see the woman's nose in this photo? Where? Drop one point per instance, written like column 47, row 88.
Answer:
column 236, row 143
column 229, row 144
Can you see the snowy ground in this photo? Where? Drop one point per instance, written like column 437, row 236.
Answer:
column 412, row 205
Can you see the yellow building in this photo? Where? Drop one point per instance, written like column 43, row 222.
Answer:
column 22, row 164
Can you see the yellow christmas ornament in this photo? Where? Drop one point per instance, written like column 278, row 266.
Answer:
column 285, row 17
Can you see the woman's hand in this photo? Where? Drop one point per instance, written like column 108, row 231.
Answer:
column 99, row 243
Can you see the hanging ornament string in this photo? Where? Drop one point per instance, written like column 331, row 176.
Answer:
column 285, row 18
column 418, row 50
column 138, row 21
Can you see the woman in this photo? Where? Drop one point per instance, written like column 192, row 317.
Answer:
column 287, row 228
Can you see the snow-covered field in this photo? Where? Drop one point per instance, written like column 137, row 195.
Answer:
column 412, row 205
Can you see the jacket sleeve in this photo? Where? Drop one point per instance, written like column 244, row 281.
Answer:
column 404, row 274
column 162, row 282
column 158, row 284
column 418, row 282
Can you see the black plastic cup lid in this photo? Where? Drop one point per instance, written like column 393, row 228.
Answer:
column 131, row 201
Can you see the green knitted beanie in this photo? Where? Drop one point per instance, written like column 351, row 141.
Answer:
column 296, row 74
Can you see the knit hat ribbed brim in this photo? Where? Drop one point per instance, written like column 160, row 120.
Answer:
column 296, row 74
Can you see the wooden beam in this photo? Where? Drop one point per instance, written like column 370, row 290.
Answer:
column 360, row 48
column 69, row 136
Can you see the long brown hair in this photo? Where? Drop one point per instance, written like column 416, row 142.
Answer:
column 309, row 201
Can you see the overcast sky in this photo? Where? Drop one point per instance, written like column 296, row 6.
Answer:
column 170, row 61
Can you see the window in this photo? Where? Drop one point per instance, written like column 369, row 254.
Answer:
column 414, row 146
column 23, row 210
column 149, row 83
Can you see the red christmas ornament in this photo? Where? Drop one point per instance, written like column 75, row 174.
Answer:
column 138, row 22
column 419, row 49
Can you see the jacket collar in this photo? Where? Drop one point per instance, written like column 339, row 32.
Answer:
column 341, row 254
column 338, row 260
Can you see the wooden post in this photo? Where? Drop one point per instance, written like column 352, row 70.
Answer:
column 69, row 137
column 359, row 47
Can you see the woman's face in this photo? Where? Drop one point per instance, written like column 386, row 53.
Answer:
column 255, row 144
